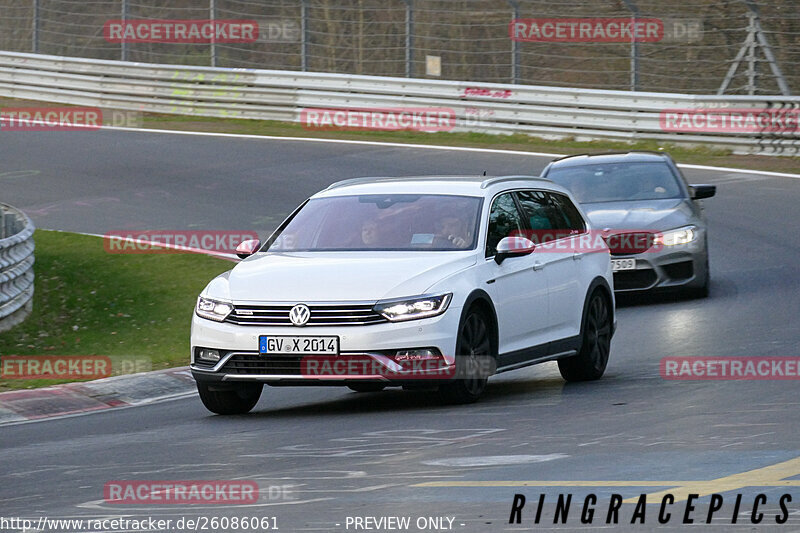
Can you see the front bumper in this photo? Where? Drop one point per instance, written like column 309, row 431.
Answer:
column 240, row 360
column 671, row 267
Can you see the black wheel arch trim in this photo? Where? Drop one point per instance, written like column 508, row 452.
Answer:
column 599, row 282
column 479, row 295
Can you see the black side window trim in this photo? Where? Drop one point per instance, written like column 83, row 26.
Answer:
column 520, row 214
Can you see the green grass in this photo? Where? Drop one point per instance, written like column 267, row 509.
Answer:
column 90, row 302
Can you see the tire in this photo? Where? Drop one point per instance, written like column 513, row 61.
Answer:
column 591, row 361
column 366, row 387
column 474, row 340
column 235, row 401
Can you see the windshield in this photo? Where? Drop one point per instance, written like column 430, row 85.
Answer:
column 610, row 182
column 392, row 222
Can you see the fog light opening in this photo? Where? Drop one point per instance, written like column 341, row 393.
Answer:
column 205, row 354
column 423, row 354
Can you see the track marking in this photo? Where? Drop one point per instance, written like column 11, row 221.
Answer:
column 769, row 476
column 403, row 145
column 422, row 146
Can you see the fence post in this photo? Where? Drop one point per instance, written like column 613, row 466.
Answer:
column 634, row 45
column 123, row 44
column 409, row 38
column 514, row 44
column 212, row 9
column 35, row 28
column 304, row 32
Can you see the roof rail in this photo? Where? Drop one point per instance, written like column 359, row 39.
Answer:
column 490, row 180
column 501, row 179
column 614, row 152
column 355, row 181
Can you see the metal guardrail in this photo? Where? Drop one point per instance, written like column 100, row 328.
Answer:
column 16, row 266
column 478, row 107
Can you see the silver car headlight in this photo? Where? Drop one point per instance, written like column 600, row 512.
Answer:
column 414, row 308
column 213, row 309
column 677, row 236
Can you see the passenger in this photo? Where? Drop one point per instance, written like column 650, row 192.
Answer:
column 370, row 233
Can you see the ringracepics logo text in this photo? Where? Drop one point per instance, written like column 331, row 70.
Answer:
column 648, row 509
column 424, row 119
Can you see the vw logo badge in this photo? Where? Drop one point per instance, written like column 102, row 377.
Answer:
column 299, row 314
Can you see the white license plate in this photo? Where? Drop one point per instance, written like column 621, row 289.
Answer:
column 291, row 345
column 623, row 264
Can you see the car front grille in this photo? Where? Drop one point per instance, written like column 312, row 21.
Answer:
column 626, row 280
column 630, row 243
column 251, row 364
column 321, row 315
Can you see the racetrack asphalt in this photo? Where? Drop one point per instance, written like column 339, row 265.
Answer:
column 338, row 454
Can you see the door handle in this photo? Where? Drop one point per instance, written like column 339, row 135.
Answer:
column 538, row 265
column 577, row 256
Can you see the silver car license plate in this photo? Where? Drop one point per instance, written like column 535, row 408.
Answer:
column 623, row 264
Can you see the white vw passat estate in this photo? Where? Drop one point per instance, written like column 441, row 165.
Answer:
column 413, row 282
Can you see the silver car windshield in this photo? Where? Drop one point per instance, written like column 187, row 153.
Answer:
column 613, row 182
column 391, row 222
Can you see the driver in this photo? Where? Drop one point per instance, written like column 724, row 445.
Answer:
column 452, row 232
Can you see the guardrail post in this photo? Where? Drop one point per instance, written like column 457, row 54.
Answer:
column 634, row 45
column 514, row 44
column 212, row 9
column 409, row 37
column 123, row 45
column 304, row 32
column 16, row 266
column 35, row 28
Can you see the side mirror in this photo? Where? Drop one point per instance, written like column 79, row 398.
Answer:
column 513, row 247
column 698, row 192
column 247, row 248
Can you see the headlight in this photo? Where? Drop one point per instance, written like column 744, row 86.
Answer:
column 676, row 236
column 213, row 309
column 423, row 307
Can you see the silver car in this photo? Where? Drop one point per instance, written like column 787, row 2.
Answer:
column 643, row 193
